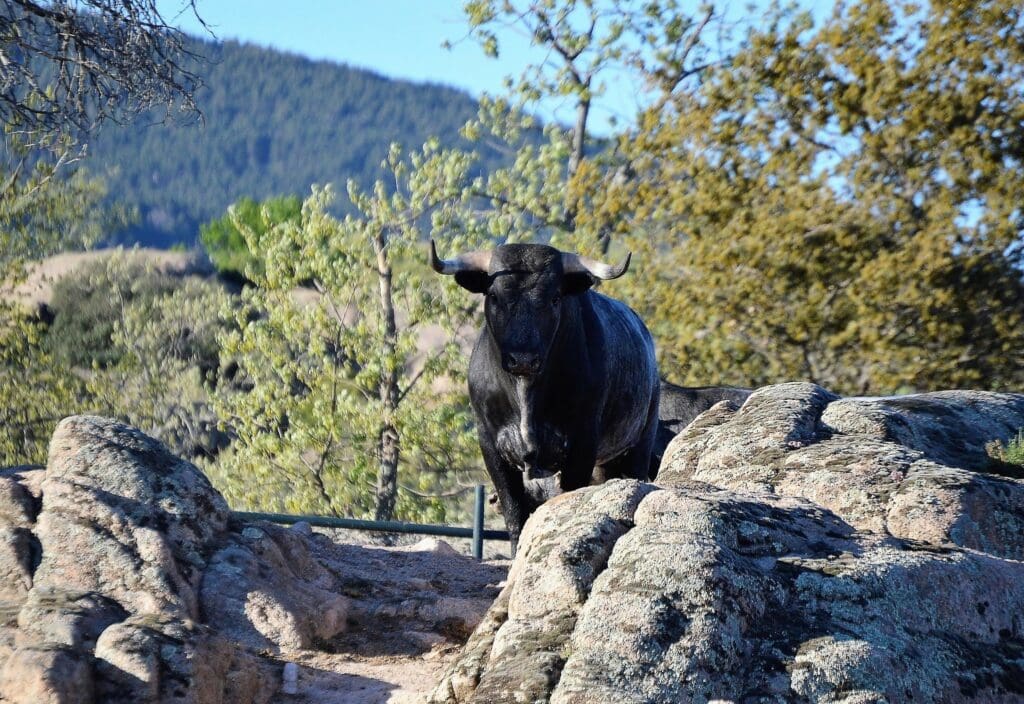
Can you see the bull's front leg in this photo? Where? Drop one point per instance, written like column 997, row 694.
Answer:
column 580, row 461
column 516, row 504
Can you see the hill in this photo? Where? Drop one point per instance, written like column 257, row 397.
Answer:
column 274, row 123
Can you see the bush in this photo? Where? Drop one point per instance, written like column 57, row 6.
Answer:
column 167, row 359
column 88, row 302
column 224, row 238
column 1011, row 452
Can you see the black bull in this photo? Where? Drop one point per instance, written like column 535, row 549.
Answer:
column 562, row 379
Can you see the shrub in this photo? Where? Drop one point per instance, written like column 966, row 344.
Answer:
column 88, row 301
column 1011, row 452
column 225, row 238
column 167, row 357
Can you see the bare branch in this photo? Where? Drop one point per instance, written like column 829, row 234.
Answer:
column 69, row 65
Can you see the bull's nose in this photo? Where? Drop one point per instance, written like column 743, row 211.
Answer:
column 522, row 363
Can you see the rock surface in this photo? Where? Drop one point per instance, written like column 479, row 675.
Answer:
column 798, row 548
column 913, row 467
column 124, row 580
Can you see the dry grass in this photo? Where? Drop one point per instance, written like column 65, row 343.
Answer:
column 38, row 287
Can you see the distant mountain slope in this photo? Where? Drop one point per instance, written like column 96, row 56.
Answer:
column 274, row 124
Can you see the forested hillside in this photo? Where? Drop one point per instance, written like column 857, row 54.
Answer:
column 274, row 124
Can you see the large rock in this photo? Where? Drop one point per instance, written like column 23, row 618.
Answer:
column 124, row 517
column 105, row 572
column 123, row 580
column 914, row 467
column 799, row 548
column 265, row 589
column 154, row 659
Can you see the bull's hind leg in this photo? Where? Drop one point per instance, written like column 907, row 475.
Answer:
column 635, row 463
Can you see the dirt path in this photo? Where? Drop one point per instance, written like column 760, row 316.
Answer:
column 348, row 679
column 412, row 610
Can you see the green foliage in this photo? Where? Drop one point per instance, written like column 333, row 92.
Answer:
column 223, row 240
column 1014, row 453
column 1015, row 450
column 165, row 354
column 89, row 301
column 340, row 396
column 43, row 212
column 274, row 123
column 39, row 214
column 841, row 204
column 1011, row 452
column 35, row 391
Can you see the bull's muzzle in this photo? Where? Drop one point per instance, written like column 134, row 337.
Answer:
column 521, row 363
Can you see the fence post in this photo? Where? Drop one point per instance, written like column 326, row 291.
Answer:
column 478, row 523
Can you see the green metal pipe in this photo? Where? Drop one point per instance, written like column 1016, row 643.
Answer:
column 380, row 526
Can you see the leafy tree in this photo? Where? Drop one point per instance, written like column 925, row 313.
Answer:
column 344, row 413
column 223, row 239
column 660, row 45
column 841, row 204
column 38, row 214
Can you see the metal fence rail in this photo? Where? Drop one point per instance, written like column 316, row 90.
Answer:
column 478, row 534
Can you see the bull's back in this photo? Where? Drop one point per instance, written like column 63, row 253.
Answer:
column 631, row 375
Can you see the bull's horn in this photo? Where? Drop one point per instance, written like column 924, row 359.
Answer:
column 470, row 261
column 575, row 264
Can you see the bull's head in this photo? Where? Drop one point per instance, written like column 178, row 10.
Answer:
column 524, row 285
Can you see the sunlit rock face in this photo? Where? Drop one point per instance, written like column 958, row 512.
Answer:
column 798, row 547
column 120, row 533
column 124, row 580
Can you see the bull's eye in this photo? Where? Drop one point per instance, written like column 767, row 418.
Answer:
column 555, row 300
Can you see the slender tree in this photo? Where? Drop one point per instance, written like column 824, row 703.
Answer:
column 348, row 408
column 583, row 45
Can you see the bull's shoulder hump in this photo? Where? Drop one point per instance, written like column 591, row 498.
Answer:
column 616, row 311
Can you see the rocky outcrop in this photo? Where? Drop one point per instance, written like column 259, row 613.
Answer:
column 121, row 536
column 799, row 548
column 913, row 467
column 124, row 580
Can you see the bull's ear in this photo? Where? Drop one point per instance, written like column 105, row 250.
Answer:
column 576, row 282
column 475, row 281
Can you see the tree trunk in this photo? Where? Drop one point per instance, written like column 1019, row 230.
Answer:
column 579, row 134
column 387, row 474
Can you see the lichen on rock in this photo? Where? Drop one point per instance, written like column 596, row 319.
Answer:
column 124, row 580
column 800, row 548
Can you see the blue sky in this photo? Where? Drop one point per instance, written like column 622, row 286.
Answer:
column 401, row 39
column 398, row 38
